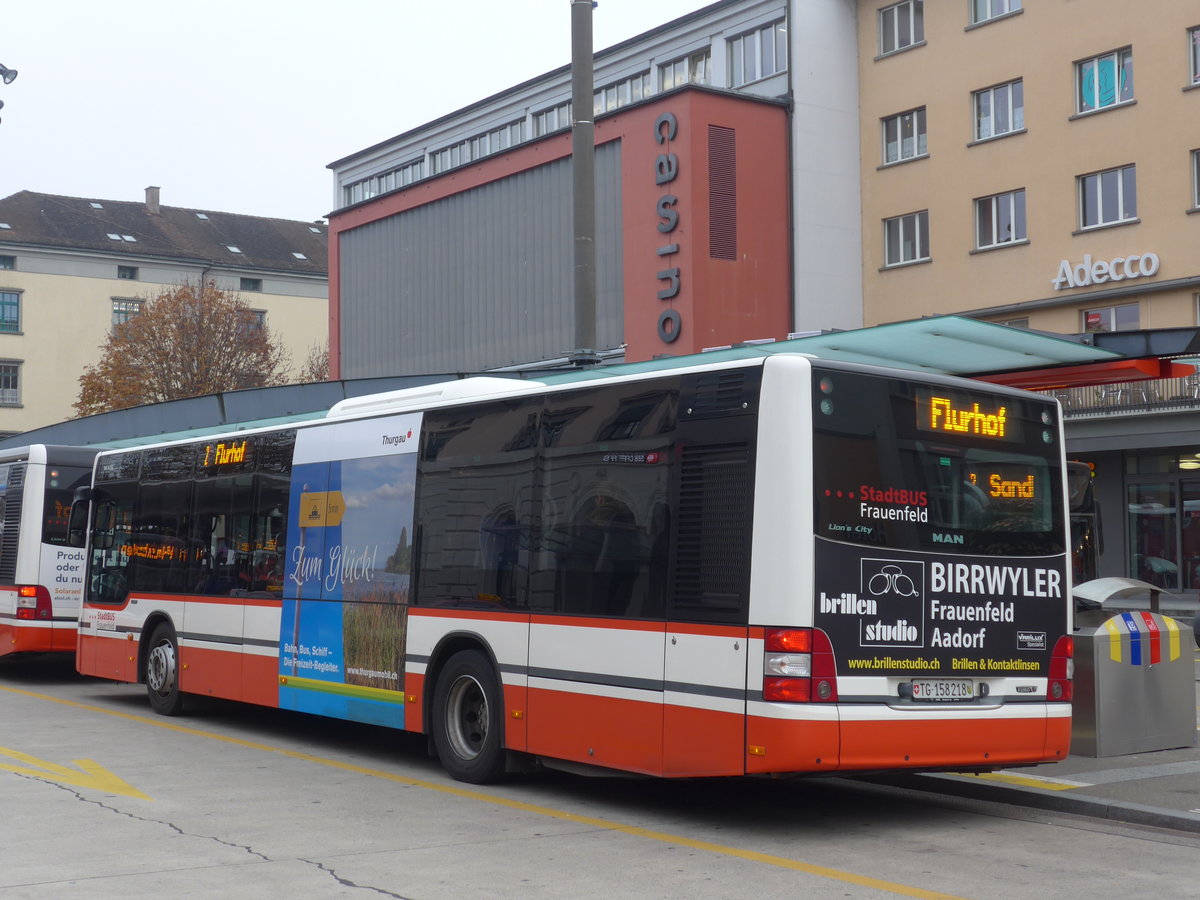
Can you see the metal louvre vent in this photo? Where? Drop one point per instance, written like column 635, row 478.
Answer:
column 712, row 561
column 10, row 536
column 722, row 192
column 714, row 393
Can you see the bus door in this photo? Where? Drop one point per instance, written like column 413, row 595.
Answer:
column 596, row 636
column 598, row 630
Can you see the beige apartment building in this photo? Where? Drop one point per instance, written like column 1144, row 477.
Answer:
column 1037, row 163
column 1034, row 163
column 72, row 267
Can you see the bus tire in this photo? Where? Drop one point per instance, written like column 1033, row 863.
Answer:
column 467, row 719
column 162, row 671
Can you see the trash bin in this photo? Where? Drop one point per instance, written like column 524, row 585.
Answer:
column 1134, row 687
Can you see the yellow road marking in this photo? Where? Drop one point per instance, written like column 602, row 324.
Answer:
column 88, row 775
column 466, row 793
column 1030, row 781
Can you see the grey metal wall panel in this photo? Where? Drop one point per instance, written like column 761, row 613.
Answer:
column 481, row 279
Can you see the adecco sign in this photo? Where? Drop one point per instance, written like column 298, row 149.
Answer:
column 1119, row 268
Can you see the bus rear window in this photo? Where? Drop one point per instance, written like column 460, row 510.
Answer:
column 943, row 470
column 61, row 482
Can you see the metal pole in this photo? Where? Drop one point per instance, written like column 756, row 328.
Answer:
column 583, row 182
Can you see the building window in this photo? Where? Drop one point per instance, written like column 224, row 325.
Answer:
column 552, row 119
column 402, row 176
column 1000, row 219
column 129, row 273
column 622, row 93
column 1112, row 318
column 1022, row 322
column 904, row 136
column 984, row 10
column 999, row 110
column 901, row 25
column 758, row 54
column 906, row 238
column 257, row 322
column 1109, row 197
column 251, row 284
column 687, row 70
column 1195, row 182
column 10, row 311
column 1194, row 47
column 1104, row 81
column 10, row 384
column 455, row 155
column 495, row 140
column 8, row 262
column 124, row 310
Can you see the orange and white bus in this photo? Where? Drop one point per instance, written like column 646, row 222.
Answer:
column 41, row 577
column 740, row 562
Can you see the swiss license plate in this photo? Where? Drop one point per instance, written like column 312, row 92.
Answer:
column 943, row 689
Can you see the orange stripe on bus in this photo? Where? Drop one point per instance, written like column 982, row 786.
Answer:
column 601, row 731
column 199, row 598
column 731, row 631
column 484, row 615
column 590, row 622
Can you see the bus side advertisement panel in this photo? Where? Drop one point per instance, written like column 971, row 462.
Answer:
column 62, row 571
column 892, row 612
column 346, row 586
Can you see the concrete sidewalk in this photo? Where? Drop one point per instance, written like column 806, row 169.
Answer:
column 1159, row 788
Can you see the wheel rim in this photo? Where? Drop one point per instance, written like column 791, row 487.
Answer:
column 160, row 668
column 467, row 717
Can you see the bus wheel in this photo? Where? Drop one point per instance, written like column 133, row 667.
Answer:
column 162, row 672
column 467, row 719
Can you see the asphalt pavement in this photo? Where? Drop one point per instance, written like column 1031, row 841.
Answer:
column 1158, row 788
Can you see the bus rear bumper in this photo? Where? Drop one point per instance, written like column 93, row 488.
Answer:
column 36, row 637
column 886, row 739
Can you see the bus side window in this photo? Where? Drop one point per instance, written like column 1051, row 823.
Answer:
column 606, row 468
column 106, row 520
column 474, row 503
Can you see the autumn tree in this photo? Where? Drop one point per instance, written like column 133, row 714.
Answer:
column 187, row 340
column 315, row 366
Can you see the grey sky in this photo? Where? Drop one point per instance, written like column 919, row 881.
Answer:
column 240, row 106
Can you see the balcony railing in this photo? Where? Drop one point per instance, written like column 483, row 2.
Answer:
column 1154, row 395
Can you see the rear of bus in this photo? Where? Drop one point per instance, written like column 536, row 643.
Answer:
column 41, row 577
column 915, row 601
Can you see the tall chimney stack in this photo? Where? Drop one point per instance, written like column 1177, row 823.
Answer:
column 152, row 201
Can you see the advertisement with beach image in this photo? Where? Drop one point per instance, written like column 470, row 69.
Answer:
column 349, row 555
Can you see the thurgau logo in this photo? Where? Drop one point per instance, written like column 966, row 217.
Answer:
column 898, row 589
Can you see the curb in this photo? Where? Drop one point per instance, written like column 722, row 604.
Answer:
column 974, row 788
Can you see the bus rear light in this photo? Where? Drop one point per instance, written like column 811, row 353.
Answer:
column 789, row 665
column 787, row 690
column 1062, row 670
column 798, row 666
column 33, row 602
column 789, row 640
